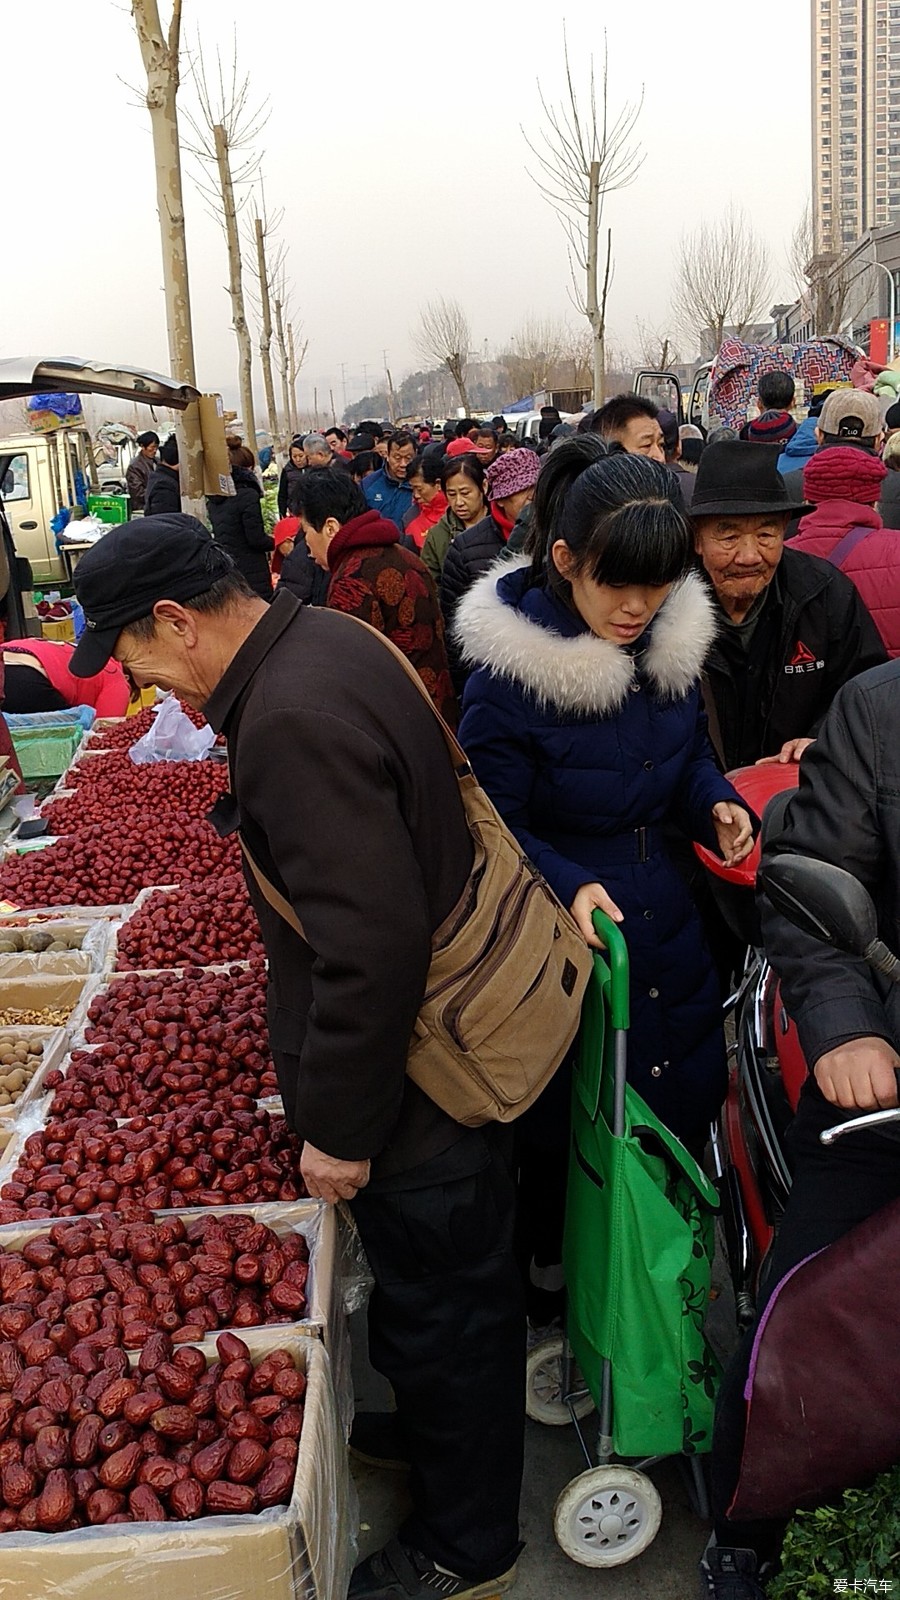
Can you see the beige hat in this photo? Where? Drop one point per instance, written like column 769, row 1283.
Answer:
column 851, row 414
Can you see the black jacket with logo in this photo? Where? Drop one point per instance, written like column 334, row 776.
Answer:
column 813, row 635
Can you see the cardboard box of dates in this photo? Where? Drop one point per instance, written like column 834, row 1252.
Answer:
column 297, row 1550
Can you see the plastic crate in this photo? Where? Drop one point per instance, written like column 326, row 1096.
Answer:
column 109, row 507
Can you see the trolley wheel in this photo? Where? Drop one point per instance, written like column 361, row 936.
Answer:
column 544, row 1385
column 607, row 1516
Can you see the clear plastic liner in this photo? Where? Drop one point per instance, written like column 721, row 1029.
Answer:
column 172, row 737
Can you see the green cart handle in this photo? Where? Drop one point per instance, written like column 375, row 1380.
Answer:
column 617, row 960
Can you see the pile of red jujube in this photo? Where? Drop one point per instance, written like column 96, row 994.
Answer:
column 101, row 1281
column 88, row 1437
column 162, row 1040
column 109, row 862
column 126, row 733
column 223, row 1154
column 201, row 924
column 106, row 785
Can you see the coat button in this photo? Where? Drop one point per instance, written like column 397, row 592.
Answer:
column 654, row 994
column 648, row 916
column 656, row 1072
column 635, row 688
column 648, row 766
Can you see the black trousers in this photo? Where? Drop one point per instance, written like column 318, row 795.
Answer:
column 447, row 1329
column 26, row 689
column 834, row 1188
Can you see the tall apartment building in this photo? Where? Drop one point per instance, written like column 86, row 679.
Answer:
column 856, row 119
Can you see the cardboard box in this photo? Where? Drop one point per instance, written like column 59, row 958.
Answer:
column 61, row 632
column 302, row 1551
column 217, row 477
column 55, row 1049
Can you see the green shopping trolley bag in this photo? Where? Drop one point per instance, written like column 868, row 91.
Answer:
column 638, row 1244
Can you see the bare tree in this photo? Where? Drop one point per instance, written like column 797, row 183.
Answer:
column 296, row 357
column 160, row 53
column 831, row 289
column 722, row 277
column 444, row 336
column 227, row 128
column 586, row 153
column 658, row 349
column 534, row 355
column 261, row 231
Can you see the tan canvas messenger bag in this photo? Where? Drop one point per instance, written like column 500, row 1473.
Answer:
column 508, row 970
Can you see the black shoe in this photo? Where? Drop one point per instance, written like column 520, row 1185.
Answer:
column 377, row 1439
column 400, row 1573
column 731, row 1574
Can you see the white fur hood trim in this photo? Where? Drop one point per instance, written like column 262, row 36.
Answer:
column 584, row 674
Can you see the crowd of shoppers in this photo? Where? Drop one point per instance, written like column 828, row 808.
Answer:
column 615, row 619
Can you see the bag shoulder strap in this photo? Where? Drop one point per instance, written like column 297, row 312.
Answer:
column 457, row 753
column 269, row 892
column 847, row 545
column 458, row 756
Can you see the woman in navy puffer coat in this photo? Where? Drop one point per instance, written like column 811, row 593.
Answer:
column 583, row 722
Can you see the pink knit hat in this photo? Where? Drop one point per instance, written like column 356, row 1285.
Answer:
column 516, row 470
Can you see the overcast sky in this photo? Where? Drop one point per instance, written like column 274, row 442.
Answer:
column 394, row 147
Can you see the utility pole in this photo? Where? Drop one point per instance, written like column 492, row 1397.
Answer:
column 365, row 379
column 344, row 384
column 316, row 406
column 333, row 413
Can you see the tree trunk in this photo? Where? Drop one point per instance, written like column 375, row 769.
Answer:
column 592, row 298
column 265, row 333
column 160, row 55
column 292, row 377
column 236, row 287
column 283, row 364
column 455, row 369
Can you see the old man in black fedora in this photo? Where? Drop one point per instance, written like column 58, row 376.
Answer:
column 792, row 628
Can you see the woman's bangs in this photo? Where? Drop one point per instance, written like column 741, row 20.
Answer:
column 647, row 544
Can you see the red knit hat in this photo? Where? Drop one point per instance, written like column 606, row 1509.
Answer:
column 843, row 472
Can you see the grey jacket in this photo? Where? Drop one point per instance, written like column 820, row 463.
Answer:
column 846, row 811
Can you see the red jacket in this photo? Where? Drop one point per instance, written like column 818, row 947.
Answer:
column 873, row 565
column 373, row 577
column 107, row 692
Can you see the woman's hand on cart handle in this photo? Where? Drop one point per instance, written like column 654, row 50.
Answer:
column 593, row 897
column 734, row 831
column 860, row 1075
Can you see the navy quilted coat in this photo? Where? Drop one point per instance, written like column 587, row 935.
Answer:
column 581, row 744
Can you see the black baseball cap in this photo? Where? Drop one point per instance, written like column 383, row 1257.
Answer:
column 121, row 577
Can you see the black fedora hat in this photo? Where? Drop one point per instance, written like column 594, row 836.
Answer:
column 741, row 479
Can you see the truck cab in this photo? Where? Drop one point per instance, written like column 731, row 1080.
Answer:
column 39, row 474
